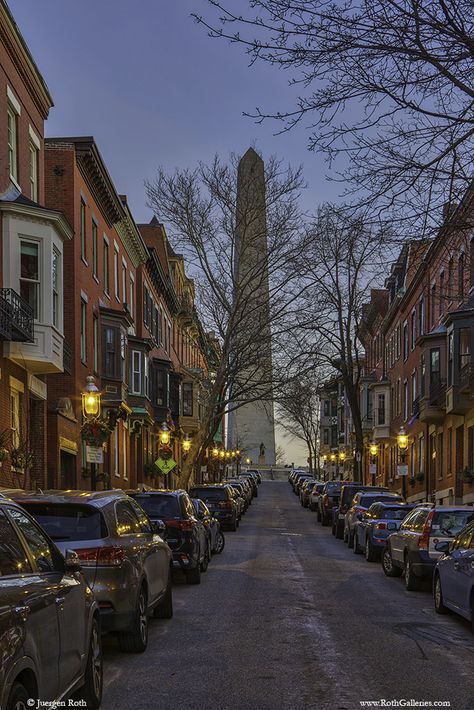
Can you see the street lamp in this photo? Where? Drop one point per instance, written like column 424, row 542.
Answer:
column 91, row 410
column 373, row 464
column 164, row 434
column 248, row 461
column 186, row 443
column 402, row 442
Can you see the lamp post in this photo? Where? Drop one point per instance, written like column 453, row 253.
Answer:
column 373, row 463
column 91, row 410
column 402, row 442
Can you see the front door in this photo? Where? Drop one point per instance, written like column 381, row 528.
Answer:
column 68, row 470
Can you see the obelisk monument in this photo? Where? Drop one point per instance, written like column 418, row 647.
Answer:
column 251, row 426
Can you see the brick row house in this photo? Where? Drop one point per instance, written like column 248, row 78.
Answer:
column 418, row 336
column 85, row 291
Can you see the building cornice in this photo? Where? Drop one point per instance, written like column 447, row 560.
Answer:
column 41, row 215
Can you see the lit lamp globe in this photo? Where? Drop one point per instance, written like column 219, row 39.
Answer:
column 186, row 444
column 215, row 452
column 333, row 457
column 402, row 440
column 222, row 454
column 247, row 460
column 164, row 434
column 91, row 398
column 342, row 456
column 373, row 449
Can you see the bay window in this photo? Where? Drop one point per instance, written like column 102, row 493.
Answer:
column 30, row 275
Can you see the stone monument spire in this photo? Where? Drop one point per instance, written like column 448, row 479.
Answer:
column 252, row 426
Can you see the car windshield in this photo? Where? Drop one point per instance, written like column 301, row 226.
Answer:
column 394, row 513
column 332, row 488
column 449, row 523
column 209, row 494
column 64, row 521
column 367, row 500
column 161, row 507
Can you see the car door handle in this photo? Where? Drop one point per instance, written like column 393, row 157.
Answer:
column 60, row 600
column 22, row 611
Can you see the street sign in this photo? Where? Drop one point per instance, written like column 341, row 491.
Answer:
column 402, row 469
column 373, row 468
column 165, row 465
column 94, row 454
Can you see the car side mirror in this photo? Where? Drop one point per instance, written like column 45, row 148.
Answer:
column 443, row 546
column 159, row 528
column 72, row 562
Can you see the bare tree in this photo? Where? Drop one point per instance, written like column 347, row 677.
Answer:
column 344, row 262
column 298, row 414
column 385, row 85
column 204, row 218
column 280, row 455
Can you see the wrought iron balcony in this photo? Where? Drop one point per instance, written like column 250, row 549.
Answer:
column 67, row 358
column 16, row 317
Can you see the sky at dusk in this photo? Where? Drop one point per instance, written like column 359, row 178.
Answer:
column 154, row 90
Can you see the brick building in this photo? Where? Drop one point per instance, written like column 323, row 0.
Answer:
column 32, row 238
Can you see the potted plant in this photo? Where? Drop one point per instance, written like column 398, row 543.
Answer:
column 95, row 432
column 467, row 475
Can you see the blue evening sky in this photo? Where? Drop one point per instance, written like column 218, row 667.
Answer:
column 154, row 90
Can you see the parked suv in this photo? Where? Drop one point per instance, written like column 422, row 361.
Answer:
column 327, row 500
column 453, row 582
column 348, row 491
column 219, row 500
column 360, row 503
column 184, row 532
column 49, row 621
column 412, row 549
column 376, row 525
column 314, row 496
column 127, row 565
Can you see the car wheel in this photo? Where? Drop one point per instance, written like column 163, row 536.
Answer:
column 207, row 557
column 344, row 536
column 387, row 564
column 220, row 542
column 164, row 610
column 193, row 576
column 339, row 531
column 355, row 545
column 438, row 597
column 136, row 640
column 19, row 698
column 370, row 553
column 350, row 539
column 411, row 582
column 91, row 691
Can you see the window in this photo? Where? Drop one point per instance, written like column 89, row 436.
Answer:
column 471, row 263
column 326, row 436
column 412, row 459
column 413, row 329
column 13, row 560
column 83, row 331
column 187, row 399
column 464, row 347
column 127, row 521
column 461, row 277
column 83, row 229
column 422, row 316
column 111, row 352
column 124, row 282
column 381, row 409
column 131, row 303
column 34, row 160
column 95, row 343
column 146, row 377
column 433, row 304
column 470, row 448
column 12, row 127
column 451, row 279
column 136, row 372
column 94, row 250
column 56, row 281
column 116, row 273
column 405, row 340
column 441, row 293
column 450, row 357
column 124, row 452
column 147, row 307
column 421, row 452
column 405, row 400
column 435, row 369
column 38, row 544
column 106, row 268
column 116, row 451
column 15, row 419
column 450, row 450
column 413, row 389
column 143, row 520
column 30, row 275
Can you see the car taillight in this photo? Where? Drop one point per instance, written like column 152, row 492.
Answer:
column 225, row 504
column 380, row 526
column 180, row 524
column 102, row 556
column 424, row 540
column 325, row 500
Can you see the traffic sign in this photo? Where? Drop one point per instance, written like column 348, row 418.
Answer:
column 165, row 465
column 402, row 469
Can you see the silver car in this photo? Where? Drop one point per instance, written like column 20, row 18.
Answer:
column 127, row 564
column 50, row 644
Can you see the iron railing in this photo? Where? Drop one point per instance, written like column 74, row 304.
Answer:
column 67, row 358
column 20, row 316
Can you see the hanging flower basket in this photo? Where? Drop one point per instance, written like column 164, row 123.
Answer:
column 95, row 432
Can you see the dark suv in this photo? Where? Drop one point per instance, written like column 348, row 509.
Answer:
column 49, row 623
column 185, row 534
column 413, row 549
column 219, row 500
column 348, row 492
column 327, row 500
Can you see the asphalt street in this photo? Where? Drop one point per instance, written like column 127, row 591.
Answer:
column 288, row 617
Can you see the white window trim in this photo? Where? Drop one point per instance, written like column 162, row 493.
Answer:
column 34, row 138
column 134, row 372
column 12, row 99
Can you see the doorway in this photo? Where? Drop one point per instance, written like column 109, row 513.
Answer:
column 67, row 472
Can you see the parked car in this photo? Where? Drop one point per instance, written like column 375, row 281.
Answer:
column 173, row 513
column 327, row 500
column 238, row 500
column 126, row 563
column 314, row 495
column 360, row 503
column 252, row 479
column 241, row 489
column 376, row 524
column 256, row 473
column 212, row 525
column 412, row 549
column 49, row 622
column 219, row 500
column 453, row 579
column 348, row 491
column 305, row 491
column 300, row 479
